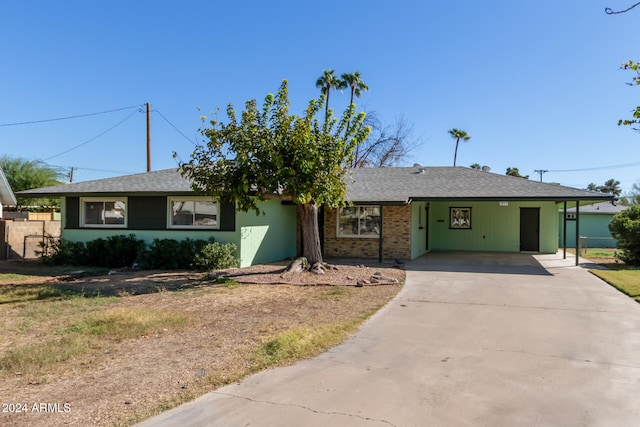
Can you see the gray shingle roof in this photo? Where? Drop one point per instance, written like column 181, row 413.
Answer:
column 393, row 185
column 604, row 208
column 167, row 181
column 373, row 185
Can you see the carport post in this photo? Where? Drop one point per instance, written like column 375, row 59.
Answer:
column 564, row 231
column 380, row 236
column 577, row 231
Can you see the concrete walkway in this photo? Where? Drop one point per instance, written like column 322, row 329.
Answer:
column 471, row 340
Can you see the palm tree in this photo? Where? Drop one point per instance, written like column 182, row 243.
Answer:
column 355, row 83
column 612, row 187
column 325, row 82
column 458, row 134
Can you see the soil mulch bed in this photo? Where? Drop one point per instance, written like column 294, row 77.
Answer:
column 133, row 379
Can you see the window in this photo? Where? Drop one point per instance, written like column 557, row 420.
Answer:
column 460, row 218
column 359, row 221
column 104, row 212
column 194, row 213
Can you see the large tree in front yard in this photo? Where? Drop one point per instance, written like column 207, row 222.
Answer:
column 268, row 152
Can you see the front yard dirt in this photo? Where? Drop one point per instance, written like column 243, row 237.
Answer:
column 119, row 381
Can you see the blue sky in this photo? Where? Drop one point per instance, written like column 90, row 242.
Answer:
column 536, row 84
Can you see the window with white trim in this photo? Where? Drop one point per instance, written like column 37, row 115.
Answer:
column 104, row 212
column 359, row 221
column 194, row 213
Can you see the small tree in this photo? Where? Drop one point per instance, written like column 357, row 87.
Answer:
column 387, row 145
column 515, row 172
column 268, row 152
column 633, row 196
column 25, row 174
column 634, row 122
column 625, row 228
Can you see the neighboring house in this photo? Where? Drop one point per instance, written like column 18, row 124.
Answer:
column 6, row 194
column 593, row 227
column 393, row 213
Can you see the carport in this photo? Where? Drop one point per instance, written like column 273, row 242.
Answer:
column 423, row 209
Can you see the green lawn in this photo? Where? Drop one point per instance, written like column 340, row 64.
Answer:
column 626, row 281
column 624, row 278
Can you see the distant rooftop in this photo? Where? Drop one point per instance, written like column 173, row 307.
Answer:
column 604, row 208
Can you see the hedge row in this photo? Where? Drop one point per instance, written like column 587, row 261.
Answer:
column 127, row 251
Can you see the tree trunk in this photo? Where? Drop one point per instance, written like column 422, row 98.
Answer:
column 455, row 154
column 308, row 214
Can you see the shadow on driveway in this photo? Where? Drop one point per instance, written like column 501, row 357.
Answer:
column 479, row 262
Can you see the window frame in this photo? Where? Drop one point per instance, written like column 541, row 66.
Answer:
column 374, row 235
column 171, row 225
column 454, row 213
column 83, row 209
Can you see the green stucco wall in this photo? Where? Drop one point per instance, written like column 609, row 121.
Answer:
column 260, row 239
column 594, row 227
column 494, row 228
column 418, row 229
column 268, row 237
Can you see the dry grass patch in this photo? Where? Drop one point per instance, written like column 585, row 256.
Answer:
column 123, row 323
column 83, row 336
column 120, row 359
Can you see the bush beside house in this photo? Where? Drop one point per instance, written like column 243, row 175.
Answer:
column 124, row 251
column 625, row 227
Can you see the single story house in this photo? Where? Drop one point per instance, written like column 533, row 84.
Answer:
column 399, row 212
column 594, row 225
column 6, row 194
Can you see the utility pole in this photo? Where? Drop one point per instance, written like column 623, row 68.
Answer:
column 148, row 137
column 70, row 174
column 540, row 171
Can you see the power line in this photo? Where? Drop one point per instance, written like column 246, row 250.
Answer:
column 94, row 138
column 625, row 165
column 173, row 126
column 92, row 169
column 69, row 117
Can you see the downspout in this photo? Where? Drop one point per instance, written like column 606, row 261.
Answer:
column 577, row 231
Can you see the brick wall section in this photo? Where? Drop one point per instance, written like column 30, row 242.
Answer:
column 14, row 233
column 396, row 236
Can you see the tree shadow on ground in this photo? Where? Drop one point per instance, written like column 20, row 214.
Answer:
column 79, row 284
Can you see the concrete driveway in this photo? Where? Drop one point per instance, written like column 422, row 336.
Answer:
column 471, row 340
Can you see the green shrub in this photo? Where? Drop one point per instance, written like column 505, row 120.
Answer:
column 114, row 251
column 121, row 251
column 58, row 251
column 171, row 254
column 216, row 256
column 625, row 228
